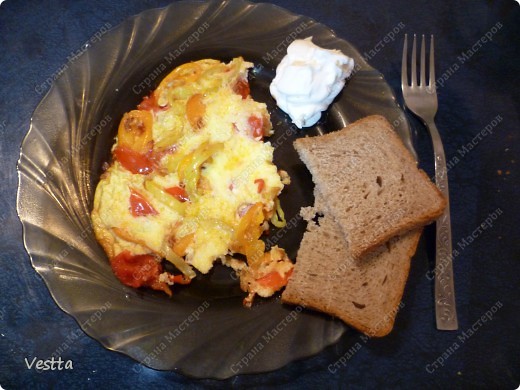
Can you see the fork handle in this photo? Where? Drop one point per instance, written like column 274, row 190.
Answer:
column 445, row 307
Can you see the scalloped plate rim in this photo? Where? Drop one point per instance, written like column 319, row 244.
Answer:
column 34, row 262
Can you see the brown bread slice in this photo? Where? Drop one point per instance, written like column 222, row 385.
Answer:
column 370, row 182
column 364, row 293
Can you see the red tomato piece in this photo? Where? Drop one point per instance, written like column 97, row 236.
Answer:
column 133, row 161
column 242, row 88
column 180, row 279
column 274, row 280
column 139, row 206
column 136, row 271
column 178, row 193
column 261, row 184
column 257, row 126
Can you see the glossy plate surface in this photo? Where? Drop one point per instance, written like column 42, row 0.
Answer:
column 203, row 331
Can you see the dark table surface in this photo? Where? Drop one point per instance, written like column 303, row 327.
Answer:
column 478, row 60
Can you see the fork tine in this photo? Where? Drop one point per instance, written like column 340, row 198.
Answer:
column 432, row 65
column 422, row 78
column 414, row 62
column 404, row 68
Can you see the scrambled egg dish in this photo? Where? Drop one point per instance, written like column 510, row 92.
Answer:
column 193, row 182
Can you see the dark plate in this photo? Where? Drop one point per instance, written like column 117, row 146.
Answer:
column 203, row 331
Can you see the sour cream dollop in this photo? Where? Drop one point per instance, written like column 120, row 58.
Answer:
column 308, row 79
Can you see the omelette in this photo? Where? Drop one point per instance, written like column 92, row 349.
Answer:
column 192, row 182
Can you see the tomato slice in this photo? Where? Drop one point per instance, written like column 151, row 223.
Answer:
column 178, row 193
column 138, row 271
column 241, row 87
column 274, row 280
column 261, row 184
column 257, row 126
column 133, row 161
column 139, row 206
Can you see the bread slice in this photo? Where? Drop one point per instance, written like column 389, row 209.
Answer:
column 363, row 293
column 370, row 182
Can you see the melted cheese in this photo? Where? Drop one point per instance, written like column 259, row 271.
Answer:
column 229, row 177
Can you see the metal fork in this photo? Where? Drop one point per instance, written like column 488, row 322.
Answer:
column 421, row 99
